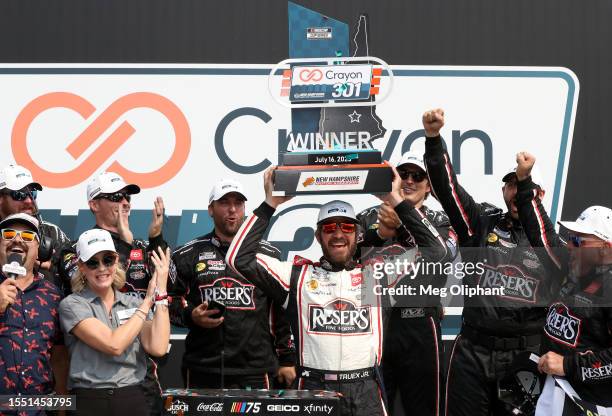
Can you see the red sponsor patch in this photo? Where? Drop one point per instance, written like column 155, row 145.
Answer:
column 356, row 279
column 136, row 254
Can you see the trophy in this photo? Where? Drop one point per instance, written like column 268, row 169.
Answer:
column 329, row 149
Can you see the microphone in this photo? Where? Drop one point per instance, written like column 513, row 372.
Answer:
column 14, row 266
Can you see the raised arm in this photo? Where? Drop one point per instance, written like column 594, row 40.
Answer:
column 534, row 218
column 464, row 213
column 245, row 255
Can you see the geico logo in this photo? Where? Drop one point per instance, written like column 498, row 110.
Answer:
column 283, row 408
column 94, row 130
column 210, row 407
column 285, row 137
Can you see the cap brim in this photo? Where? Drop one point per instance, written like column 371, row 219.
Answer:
column 34, row 185
column 339, row 216
column 576, row 227
column 82, row 258
column 413, row 164
column 23, row 221
column 227, row 193
column 508, row 176
column 132, row 189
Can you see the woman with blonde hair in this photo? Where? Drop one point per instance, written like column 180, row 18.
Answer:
column 108, row 332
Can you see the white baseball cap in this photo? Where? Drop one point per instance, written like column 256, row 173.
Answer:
column 336, row 209
column 595, row 220
column 223, row 188
column 93, row 241
column 20, row 217
column 108, row 183
column 536, row 176
column 15, row 177
column 412, row 158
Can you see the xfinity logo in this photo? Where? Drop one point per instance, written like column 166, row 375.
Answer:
column 340, row 317
column 313, row 409
column 516, row 285
column 231, row 292
column 562, row 326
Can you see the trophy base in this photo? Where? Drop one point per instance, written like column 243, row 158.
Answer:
column 333, row 179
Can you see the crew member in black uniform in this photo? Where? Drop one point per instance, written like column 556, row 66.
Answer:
column 252, row 339
column 495, row 328
column 109, row 200
column 413, row 341
column 577, row 342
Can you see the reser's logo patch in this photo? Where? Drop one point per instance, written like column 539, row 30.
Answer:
column 597, row 372
column 517, row 286
column 339, row 316
column 561, row 326
column 230, row 292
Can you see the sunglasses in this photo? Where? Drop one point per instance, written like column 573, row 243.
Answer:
column 345, row 227
column 23, row 194
column 416, row 176
column 116, row 197
column 107, row 261
column 27, row 236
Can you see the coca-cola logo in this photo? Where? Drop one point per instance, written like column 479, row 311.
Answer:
column 231, row 292
column 517, row 286
column 210, row 407
column 341, row 317
column 561, row 326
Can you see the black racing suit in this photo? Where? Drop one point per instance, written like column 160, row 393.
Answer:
column 413, row 340
column 255, row 336
column 337, row 329
column 134, row 260
column 579, row 322
column 495, row 328
column 58, row 240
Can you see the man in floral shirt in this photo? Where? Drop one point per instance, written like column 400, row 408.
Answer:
column 33, row 359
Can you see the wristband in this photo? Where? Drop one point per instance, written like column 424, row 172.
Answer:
column 161, row 296
column 162, row 301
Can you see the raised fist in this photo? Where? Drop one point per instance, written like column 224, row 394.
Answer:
column 524, row 164
column 433, row 121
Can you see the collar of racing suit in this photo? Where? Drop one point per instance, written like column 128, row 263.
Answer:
column 326, row 264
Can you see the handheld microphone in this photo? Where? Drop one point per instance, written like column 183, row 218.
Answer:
column 14, row 266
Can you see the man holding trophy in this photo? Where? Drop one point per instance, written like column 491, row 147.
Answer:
column 338, row 335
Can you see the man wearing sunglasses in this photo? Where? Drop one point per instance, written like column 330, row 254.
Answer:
column 32, row 350
column 578, row 329
column 495, row 329
column 252, row 334
column 18, row 193
column 338, row 332
column 413, row 341
column 109, row 200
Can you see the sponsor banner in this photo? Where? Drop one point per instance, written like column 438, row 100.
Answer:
column 330, row 82
column 336, row 180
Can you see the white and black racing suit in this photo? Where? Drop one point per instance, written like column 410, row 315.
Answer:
column 338, row 336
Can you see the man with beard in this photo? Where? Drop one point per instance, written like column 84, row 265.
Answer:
column 578, row 330
column 32, row 349
column 109, row 200
column 18, row 193
column 413, row 341
column 495, row 329
column 252, row 339
column 338, row 331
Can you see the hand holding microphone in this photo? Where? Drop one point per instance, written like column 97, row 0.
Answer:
column 8, row 289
